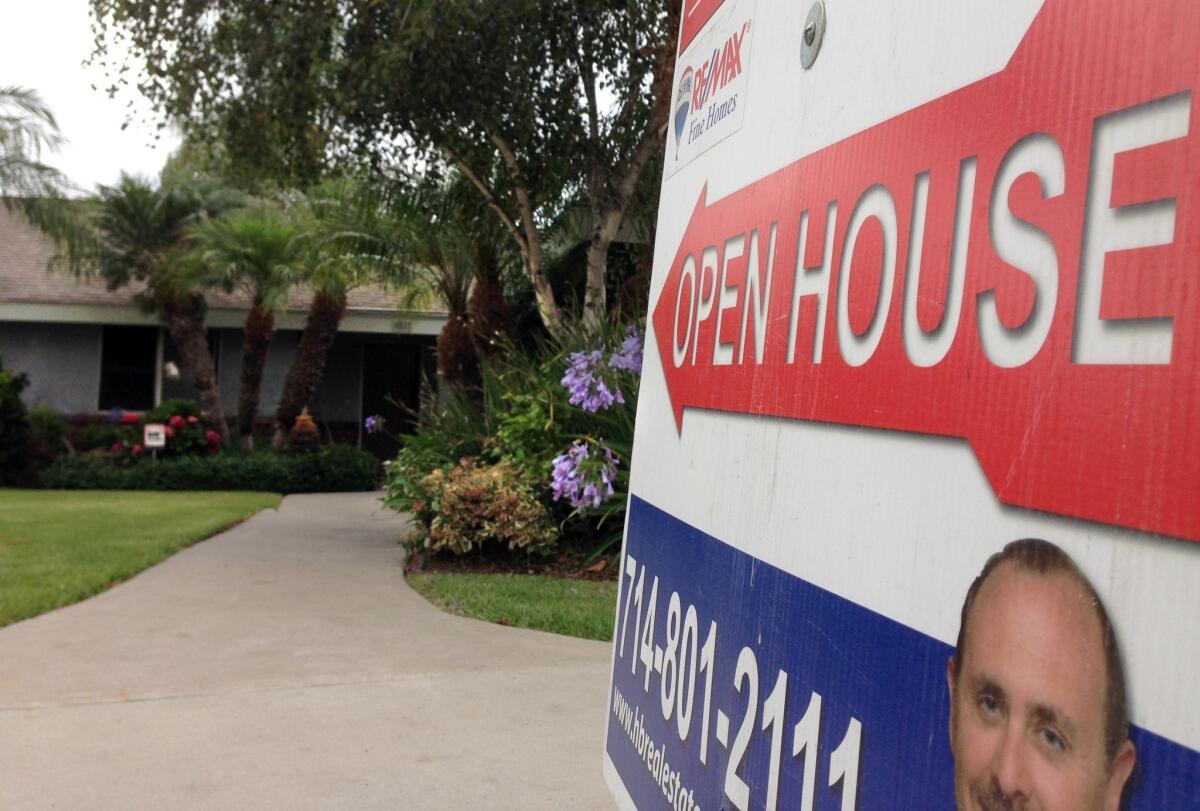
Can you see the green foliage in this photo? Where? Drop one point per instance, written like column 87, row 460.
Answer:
column 187, row 432
column 543, row 104
column 521, row 419
column 27, row 129
column 531, row 416
column 336, row 468
column 14, row 425
column 485, row 506
column 97, row 437
column 172, row 408
column 452, row 427
column 47, row 436
column 134, row 231
column 257, row 248
column 579, row 608
column 252, row 81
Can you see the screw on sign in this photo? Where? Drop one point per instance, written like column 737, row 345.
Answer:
column 1070, row 225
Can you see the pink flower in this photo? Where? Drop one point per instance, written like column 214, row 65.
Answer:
column 130, row 418
column 212, row 437
column 192, row 420
column 116, row 449
column 169, row 431
column 137, row 450
column 177, row 421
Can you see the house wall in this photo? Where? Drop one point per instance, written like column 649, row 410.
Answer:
column 339, row 396
column 229, row 373
column 62, row 361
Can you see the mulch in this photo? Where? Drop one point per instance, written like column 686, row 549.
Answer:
column 569, row 565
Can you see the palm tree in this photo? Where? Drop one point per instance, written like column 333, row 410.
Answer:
column 350, row 239
column 136, row 232
column 27, row 129
column 258, row 250
column 461, row 252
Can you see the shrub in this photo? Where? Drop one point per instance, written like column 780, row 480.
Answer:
column 336, row 468
column 96, row 436
column 479, row 506
column 14, row 426
column 172, row 408
column 48, row 431
column 187, row 432
column 532, row 405
column 47, row 440
column 452, row 427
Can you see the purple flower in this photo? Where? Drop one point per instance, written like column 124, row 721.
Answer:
column 629, row 356
column 587, row 388
column 583, row 479
column 116, row 414
column 374, row 423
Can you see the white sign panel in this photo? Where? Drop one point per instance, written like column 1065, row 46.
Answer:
column 154, row 435
column 711, row 84
column 914, row 518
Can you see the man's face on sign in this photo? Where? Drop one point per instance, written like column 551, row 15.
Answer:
column 1028, row 706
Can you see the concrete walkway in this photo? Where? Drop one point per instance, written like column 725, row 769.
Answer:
column 286, row 664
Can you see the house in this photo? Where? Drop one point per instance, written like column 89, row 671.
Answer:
column 87, row 349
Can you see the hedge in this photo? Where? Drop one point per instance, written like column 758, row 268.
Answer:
column 334, row 469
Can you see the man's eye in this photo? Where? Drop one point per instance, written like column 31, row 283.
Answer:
column 1053, row 740
column 989, row 704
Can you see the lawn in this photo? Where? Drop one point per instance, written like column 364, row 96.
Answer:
column 59, row 547
column 582, row 608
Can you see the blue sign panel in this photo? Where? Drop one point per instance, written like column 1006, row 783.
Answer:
column 737, row 685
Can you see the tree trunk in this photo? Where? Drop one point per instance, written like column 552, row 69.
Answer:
column 183, row 316
column 304, row 375
column 488, row 315
column 608, row 211
column 529, row 239
column 260, row 328
column 457, row 362
column 612, row 194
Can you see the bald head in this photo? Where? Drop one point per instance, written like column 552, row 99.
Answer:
column 1036, row 557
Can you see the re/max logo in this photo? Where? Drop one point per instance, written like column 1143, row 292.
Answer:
column 720, row 69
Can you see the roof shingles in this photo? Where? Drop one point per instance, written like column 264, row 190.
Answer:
column 25, row 278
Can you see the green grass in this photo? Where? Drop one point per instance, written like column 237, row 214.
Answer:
column 580, row 608
column 58, row 547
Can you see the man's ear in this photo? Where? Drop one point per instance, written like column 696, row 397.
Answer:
column 1118, row 775
column 950, row 686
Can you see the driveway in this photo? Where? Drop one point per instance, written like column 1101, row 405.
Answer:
column 286, row 664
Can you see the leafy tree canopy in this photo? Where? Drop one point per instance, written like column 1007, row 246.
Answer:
column 539, row 103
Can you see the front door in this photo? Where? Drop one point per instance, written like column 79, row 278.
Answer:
column 391, row 389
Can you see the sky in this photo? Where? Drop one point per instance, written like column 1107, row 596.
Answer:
column 42, row 46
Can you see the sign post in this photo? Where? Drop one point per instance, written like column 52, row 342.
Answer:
column 915, row 495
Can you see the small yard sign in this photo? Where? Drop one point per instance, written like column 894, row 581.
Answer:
column 154, row 435
column 915, row 495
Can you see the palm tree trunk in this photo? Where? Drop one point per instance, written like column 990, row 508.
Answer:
column 456, row 359
column 183, row 316
column 260, row 328
column 488, row 315
column 304, row 375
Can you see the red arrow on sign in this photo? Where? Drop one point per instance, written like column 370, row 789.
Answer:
column 1016, row 263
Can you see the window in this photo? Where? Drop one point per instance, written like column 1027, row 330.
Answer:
column 128, row 358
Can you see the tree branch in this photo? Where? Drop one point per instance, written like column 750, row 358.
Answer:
column 551, row 313
column 490, row 198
